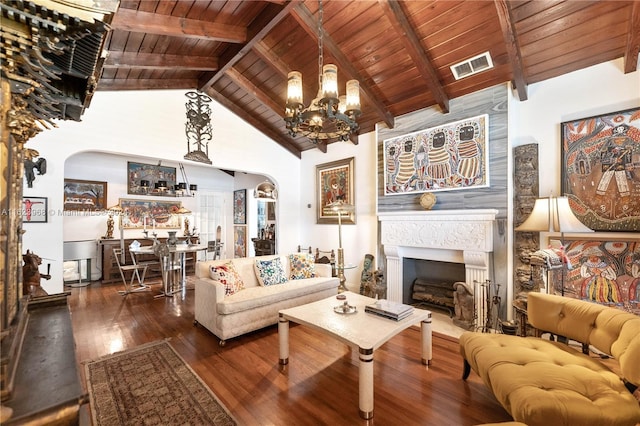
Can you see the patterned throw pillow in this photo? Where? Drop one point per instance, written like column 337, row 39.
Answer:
column 228, row 276
column 270, row 272
column 302, row 266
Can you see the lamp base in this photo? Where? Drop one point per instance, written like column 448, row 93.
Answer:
column 340, row 267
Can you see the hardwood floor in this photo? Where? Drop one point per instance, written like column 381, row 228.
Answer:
column 318, row 386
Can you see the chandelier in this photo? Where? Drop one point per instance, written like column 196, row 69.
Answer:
column 329, row 117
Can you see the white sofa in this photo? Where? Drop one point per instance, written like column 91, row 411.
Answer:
column 256, row 306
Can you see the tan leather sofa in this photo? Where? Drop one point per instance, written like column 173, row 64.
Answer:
column 543, row 382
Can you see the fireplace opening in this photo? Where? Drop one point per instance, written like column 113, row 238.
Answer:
column 430, row 282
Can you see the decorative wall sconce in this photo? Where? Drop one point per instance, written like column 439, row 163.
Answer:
column 266, row 191
column 198, row 127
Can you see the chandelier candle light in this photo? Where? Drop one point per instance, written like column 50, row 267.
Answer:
column 329, row 117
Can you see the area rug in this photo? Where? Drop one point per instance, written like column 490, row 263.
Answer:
column 150, row 385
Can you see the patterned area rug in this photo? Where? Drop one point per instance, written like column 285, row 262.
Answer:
column 150, row 385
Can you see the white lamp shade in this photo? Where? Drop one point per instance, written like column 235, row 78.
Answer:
column 294, row 88
column 563, row 218
column 330, row 81
column 353, row 96
column 539, row 219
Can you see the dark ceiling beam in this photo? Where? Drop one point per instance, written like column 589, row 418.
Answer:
column 153, row 61
column 266, row 21
column 254, row 91
column 147, row 84
column 513, row 48
column 308, row 22
column 274, row 134
column 632, row 47
column 398, row 18
column 152, row 23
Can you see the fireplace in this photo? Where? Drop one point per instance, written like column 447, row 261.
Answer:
column 458, row 236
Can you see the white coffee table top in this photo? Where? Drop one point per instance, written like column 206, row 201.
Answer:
column 364, row 330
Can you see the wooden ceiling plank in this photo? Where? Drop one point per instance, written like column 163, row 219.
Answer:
column 398, row 18
column 269, row 18
column 513, row 49
column 632, row 47
column 160, row 61
column 254, row 91
column 307, row 21
column 151, row 23
column 271, row 133
column 142, row 84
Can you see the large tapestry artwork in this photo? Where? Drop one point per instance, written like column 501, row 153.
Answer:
column 601, row 170
column 149, row 214
column 605, row 272
column 443, row 158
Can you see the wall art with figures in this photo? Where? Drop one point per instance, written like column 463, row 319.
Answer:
column 443, row 158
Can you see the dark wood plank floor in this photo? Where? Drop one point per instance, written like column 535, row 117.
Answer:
column 320, row 384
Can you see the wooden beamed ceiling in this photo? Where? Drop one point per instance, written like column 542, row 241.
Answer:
column 401, row 52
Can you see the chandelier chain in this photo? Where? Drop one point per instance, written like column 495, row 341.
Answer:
column 320, row 43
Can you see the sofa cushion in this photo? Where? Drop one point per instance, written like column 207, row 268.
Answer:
column 302, row 266
column 270, row 272
column 254, row 297
column 228, row 276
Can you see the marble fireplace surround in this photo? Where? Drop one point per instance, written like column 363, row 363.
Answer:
column 458, row 236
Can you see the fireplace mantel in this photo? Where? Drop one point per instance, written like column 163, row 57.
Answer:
column 460, row 236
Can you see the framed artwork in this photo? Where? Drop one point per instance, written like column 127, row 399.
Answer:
column 142, row 179
column 603, row 271
column 82, row 195
column 34, row 210
column 239, row 241
column 334, row 182
column 240, row 207
column 601, row 170
column 271, row 211
column 443, row 158
column 149, row 214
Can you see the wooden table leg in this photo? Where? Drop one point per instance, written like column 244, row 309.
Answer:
column 283, row 337
column 427, row 339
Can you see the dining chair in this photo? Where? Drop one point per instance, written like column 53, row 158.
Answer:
column 135, row 273
column 155, row 263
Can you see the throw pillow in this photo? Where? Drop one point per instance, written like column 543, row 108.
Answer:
column 270, row 272
column 228, row 276
column 302, row 266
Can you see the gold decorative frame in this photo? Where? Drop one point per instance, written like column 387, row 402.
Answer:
column 334, row 181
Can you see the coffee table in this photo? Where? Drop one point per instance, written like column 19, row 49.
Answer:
column 361, row 330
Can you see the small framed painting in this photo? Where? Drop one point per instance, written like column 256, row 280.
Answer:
column 34, row 210
column 240, row 207
column 239, row 241
column 334, row 182
column 85, row 195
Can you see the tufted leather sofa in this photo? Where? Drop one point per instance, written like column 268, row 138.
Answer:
column 544, row 382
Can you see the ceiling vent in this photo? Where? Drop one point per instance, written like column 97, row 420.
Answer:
column 472, row 66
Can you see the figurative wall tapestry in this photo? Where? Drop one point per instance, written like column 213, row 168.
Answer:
column 443, row 158
column 334, row 182
column 240, row 207
column 239, row 241
column 150, row 179
column 606, row 272
column 34, row 210
column 601, row 170
column 85, row 195
column 149, row 214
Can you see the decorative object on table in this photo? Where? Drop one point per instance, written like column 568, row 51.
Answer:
column 35, row 210
column 110, row 381
column 84, row 195
column 428, row 200
column 366, row 278
column 601, row 169
column 447, row 157
column 340, row 208
column 266, row 191
column 113, row 210
column 553, row 214
column 345, row 308
column 240, row 207
column 31, row 164
column 153, row 214
column 329, row 117
column 604, row 271
column 172, row 240
column 150, row 179
column 198, row 127
column 389, row 309
column 239, row 241
column 335, row 183
column 31, row 275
